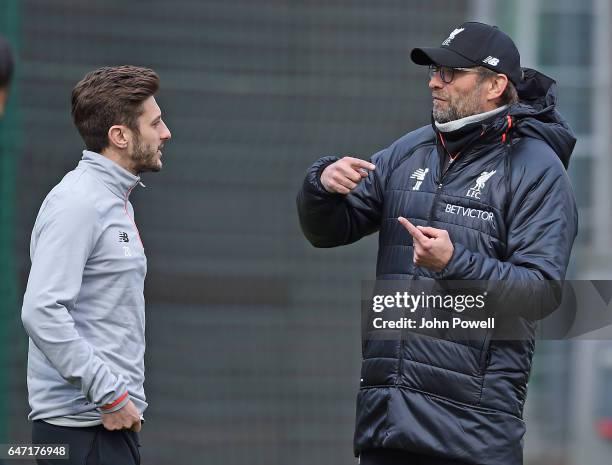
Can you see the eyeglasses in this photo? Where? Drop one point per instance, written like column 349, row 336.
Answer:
column 446, row 73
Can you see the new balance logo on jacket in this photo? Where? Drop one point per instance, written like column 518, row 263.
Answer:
column 419, row 175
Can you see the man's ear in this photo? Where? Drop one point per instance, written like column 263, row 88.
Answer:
column 119, row 136
column 497, row 86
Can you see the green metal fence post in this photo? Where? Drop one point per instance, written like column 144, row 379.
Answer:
column 9, row 27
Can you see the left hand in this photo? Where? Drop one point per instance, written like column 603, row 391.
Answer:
column 127, row 417
column 433, row 248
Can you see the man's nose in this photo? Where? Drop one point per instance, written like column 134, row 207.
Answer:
column 435, row 81
column 166, row 134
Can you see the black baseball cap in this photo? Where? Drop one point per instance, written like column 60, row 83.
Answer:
column 474, row 44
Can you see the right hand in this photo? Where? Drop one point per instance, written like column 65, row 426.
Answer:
column 127, row 417
column 342, row 176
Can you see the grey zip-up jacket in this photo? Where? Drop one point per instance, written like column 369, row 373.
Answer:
column 84, row 308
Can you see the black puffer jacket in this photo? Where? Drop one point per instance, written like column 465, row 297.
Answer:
column 439, row 397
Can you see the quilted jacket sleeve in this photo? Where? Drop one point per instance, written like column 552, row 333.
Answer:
column 330, row 220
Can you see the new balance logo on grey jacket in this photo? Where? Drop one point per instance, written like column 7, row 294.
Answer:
column 84, row 305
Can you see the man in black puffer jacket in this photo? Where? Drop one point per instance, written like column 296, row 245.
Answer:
column 481, row 194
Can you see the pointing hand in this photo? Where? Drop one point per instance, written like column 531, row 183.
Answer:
column 433, row 248
column 343, row 176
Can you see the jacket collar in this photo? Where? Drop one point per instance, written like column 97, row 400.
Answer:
column 465, row 137
column 117, row 179
column 458, row 124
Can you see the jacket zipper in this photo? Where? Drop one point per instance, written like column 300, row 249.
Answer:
column 125, row 204
column 400, row 364
column 437, row 194
column 429, row 217
column 440, row 183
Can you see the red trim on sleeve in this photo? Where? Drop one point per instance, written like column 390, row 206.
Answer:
column 604, row 428
column 115, row 403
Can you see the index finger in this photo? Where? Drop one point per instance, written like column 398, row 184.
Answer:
column 359, row 163
column 412, row 229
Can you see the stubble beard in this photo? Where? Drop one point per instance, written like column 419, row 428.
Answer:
column 145, row 158
column 465, row 105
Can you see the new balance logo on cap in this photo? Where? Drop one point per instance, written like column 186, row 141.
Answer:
column 452, row 36
column 491, row 61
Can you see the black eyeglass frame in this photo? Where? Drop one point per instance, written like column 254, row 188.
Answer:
column 446, row 73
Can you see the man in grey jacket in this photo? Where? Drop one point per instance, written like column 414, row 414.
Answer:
column 83, row 308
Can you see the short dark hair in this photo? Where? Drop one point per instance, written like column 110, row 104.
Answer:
column 109, row 96
column 510, row 94
column 7, row 64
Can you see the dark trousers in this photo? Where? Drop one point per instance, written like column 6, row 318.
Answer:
column 93, row 445
column 400, row 457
